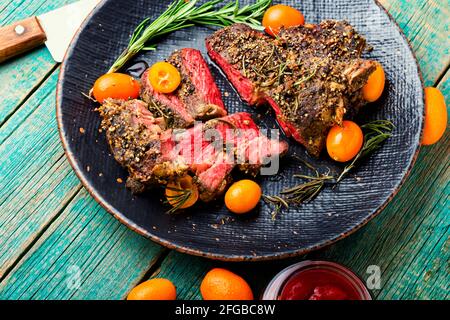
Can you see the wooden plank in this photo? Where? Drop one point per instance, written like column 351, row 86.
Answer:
column 427, row 275
column 20, row 9
column 58, row 253
column 86, row 253
column 36, row 177
column 43, row 182
column 425, row 23
column 24, row 74
column 38, row 183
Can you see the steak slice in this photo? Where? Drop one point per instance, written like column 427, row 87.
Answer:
column 213, row 149
column 226, row 46
column 197, row 97
column 154, row 154
column 311, row 75
column 243, row 146
column 135, row 138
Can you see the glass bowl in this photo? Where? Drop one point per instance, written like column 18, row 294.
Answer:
column 275, row 287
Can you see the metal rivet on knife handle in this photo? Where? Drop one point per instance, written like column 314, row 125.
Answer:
column 20, row 37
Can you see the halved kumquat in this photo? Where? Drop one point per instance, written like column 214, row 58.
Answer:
column 164, row 77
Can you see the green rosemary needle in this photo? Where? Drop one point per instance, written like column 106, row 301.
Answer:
column 179, row 199
column 375, row 133
column 278, row 202
column 183, row 14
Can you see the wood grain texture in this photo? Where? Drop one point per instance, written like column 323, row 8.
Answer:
column 85, row 254
column 36, row 179
column 426, row 25
column 20, row 37
column 21, row 77
column 409, row 241
column 24, row 74
column 416, row 264
column 17, row 10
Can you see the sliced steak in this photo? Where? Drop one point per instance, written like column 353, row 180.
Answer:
column 237, row 141
column 197, row 97
column 227, row 46
column 136, row 138
column 154, row 154
column 213, row 149
column 311, row 75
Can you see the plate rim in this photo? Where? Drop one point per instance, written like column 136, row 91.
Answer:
column 222, row 257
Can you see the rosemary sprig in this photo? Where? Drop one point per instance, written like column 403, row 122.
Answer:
column 375, row 133
column 179, row 199
column 306, row 78
column 182, row 14
column 307, row 191
column 156, row 109
column 278, row 202
column 267, row 59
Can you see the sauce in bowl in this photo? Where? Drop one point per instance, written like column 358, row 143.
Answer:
column 316, row 280
column 318, row 284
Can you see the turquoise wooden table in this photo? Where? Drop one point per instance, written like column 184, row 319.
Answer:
column 56, row 242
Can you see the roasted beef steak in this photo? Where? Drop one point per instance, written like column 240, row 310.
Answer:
column 311, row 75
column 197, row 97
column 155, row 154
column 135, row 137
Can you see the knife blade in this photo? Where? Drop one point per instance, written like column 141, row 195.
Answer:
column 55, row 28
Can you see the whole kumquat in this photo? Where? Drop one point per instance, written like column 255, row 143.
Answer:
column 154, row 289
column 279, row 16
column 374, row 87
column 115, row 86
column 221, row 284
column 435, row 116
column 344, row 142
column 242, row 196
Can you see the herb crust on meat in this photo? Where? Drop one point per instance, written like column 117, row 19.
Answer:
column 311, row 75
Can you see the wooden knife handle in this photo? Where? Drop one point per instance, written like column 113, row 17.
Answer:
column 20, row 37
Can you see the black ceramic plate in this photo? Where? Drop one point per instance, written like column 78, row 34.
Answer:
column 334, row 214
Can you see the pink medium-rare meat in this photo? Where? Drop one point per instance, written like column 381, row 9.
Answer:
column 165, row 105
column 251, row 147
column 195, row 68
column 154, row 154
column 197, row 97
column 223, row 143
column 217, row 48
column 311, row 75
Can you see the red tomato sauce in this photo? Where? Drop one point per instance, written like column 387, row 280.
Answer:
column 318, row 284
